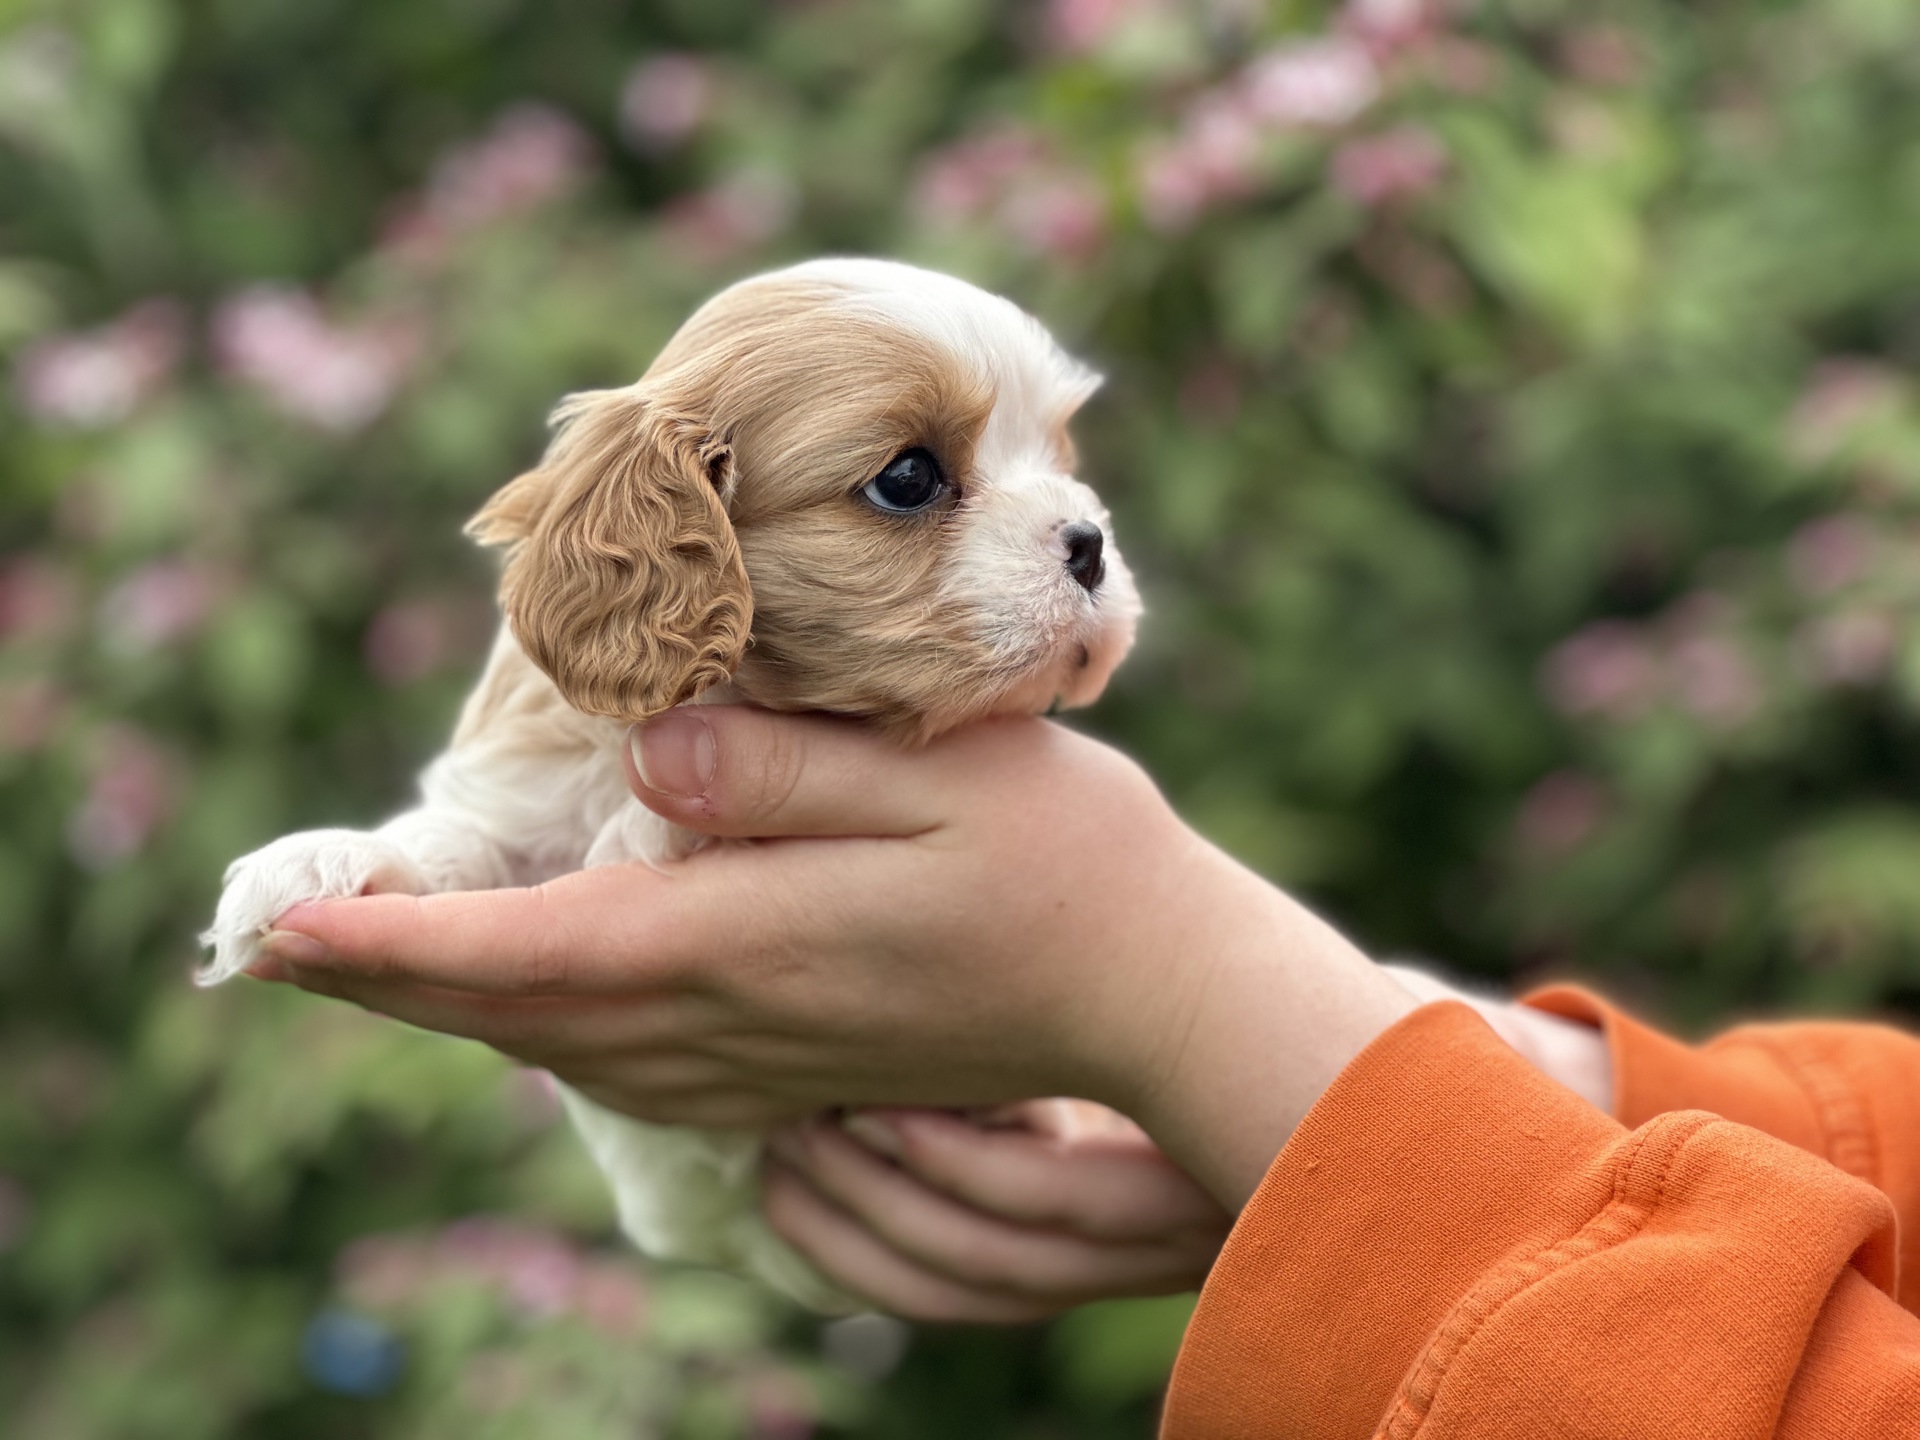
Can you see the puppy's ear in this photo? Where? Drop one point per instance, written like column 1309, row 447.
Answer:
column 624, row 580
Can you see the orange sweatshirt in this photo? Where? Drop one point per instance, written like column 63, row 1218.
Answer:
column 1453, row 1245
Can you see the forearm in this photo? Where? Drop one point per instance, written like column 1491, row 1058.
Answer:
column 1272, row 1003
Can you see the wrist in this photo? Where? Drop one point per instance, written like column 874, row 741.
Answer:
column 1266, row 1003
column 1574, row 1054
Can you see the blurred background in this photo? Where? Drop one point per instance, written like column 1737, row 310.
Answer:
column 1512, row 415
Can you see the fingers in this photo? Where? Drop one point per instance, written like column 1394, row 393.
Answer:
column 939, row 1234
column 732, row 770
column 503, row 1025
column 1114, row 1185
column 589, row 932
column 850, row 1255
column 545, row 1031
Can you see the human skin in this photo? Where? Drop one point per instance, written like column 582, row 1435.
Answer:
column 1008, row 1216
column 1011, row 911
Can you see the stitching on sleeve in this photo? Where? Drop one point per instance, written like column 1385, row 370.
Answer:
column 1639, row 1185
column 1849, row 1138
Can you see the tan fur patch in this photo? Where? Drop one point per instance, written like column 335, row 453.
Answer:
column 624, row 581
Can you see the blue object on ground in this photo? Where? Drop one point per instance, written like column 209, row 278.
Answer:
column 351, row 1354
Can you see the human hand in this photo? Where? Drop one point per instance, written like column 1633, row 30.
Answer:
column 1010, row 911
column 934, row 1215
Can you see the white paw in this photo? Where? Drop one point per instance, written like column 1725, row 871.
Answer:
column 313, row 865
column 634, row 832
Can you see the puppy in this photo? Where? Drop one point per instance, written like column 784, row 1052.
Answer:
column 845, row 486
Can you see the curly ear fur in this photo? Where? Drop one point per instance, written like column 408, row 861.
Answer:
column 624, row 581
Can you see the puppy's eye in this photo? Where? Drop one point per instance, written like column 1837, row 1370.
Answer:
column 911, row 481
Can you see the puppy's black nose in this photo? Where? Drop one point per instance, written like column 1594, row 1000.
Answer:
column 1084, row 542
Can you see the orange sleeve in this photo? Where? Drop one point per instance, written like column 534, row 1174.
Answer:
column 1453, row 1245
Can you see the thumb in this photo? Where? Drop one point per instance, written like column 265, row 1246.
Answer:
column 736, row 771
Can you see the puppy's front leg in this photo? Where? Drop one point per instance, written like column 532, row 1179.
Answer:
column 425, row 850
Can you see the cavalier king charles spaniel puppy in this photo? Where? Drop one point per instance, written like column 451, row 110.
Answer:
column 845, row 486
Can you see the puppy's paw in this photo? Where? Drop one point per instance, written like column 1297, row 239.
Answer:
column 313, row 865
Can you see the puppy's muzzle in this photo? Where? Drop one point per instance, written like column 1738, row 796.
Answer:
column 1084, row 543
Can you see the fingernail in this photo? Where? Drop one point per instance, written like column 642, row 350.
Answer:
column 675, row 754
column 290, row 947
column 874, row 1133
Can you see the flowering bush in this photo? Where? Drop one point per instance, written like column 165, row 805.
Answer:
column 1511, row 411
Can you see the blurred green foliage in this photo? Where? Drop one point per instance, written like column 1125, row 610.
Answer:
column 1511, row 413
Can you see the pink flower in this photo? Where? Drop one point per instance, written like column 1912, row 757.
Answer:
column 381, row 1271
column 1082, row 27
column 1608, row 669
column 1389, row 25
column 611, row 1296
column 129, row 796
column 1400, row 164
column 746, row 209
column 781, row 1406
column 532, row 156
column 37, row 597
column 16, row 1212
column 31, row 711
column 1840, row 397
column 1699, row 612
column 664, row 101
column 1603, row 55
column 1173, row 190
column 1714, row 679
column 1560, row 813
column 1322, row 83
column 1221, row 138
column 407, row 641
column 1215, row 155
column 1063, row 214
column 962, row 181
column 94, row 378
column 1849, row 647
column 1829, row 554
column 1419, row 272
column 1210, row 393
column 1214, row 158
column 331, row 376
column 537, row 1269
column 1466, row 67
column 157, row 604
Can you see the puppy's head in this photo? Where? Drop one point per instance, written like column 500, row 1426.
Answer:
column 846, row 486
